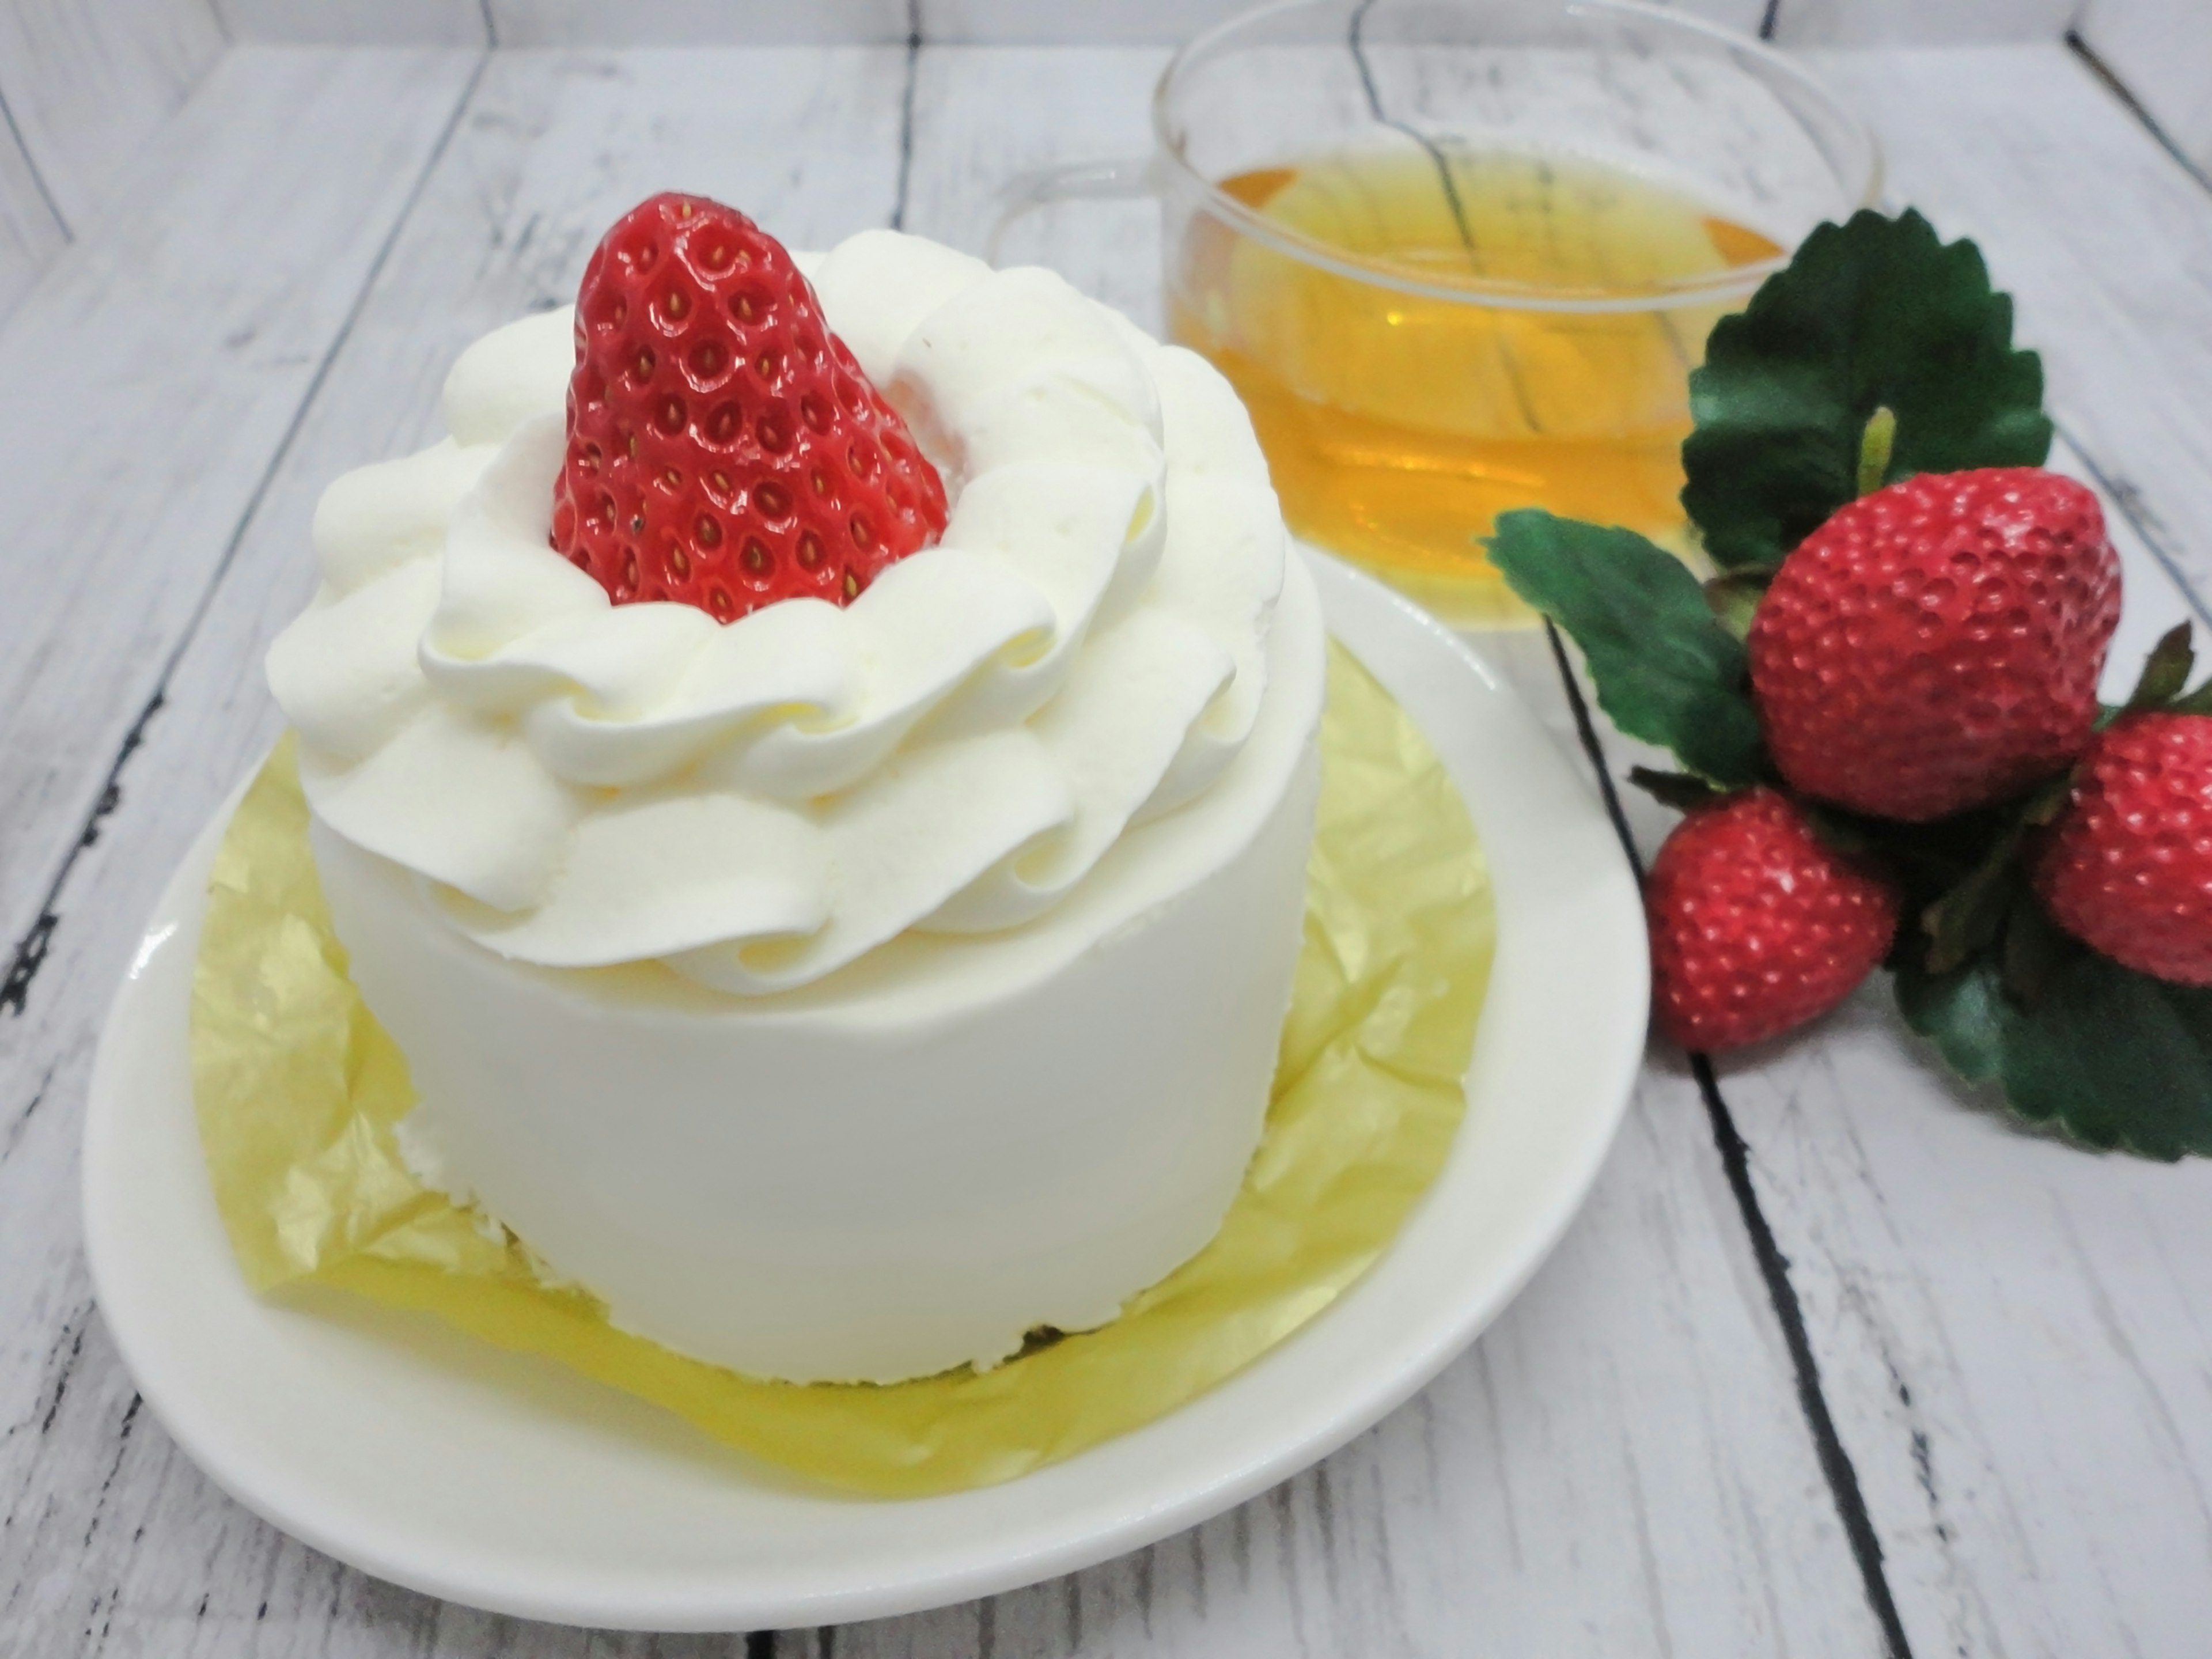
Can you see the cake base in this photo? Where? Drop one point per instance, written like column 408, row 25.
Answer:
column 298, row 1090
column 909, row 1166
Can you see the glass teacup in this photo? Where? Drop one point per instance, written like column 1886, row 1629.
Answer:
column 1460, row 256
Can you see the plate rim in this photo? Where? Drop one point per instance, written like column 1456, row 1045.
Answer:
column 1355, row 605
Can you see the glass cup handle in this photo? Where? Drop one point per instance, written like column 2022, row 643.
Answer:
column 1026, row 192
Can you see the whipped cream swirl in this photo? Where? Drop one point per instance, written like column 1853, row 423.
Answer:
column 758, row 803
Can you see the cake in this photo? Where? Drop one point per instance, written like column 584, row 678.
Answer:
column 858, row 964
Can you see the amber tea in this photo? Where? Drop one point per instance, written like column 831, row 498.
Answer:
column 1399, row 425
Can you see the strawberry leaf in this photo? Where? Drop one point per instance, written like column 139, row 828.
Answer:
column 1872, row 315
column 1734, row 599
column 2165, row 671
column 1967, row 918
column 1665, row 669
column 2115, row 1059
column 1678, row 790
column 1962, row 1013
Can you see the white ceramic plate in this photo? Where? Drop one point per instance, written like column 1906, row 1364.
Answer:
column 445, row 1465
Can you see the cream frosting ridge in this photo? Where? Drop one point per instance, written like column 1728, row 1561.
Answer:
column 757, row 804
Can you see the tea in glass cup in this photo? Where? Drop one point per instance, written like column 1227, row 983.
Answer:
column 1399, row 425
column 1460, row 256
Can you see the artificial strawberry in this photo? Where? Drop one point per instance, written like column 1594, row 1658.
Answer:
column 1935, row 646
column 2127, row 866
column 1756, row 924
column 724, row 450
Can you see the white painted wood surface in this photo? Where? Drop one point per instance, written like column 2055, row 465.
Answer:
column 2016, row 1338
column 2010, row 1340
column 87, row 85
column 82, row 89
column 130, row 515
column 2162, row 50
column 1022, row 22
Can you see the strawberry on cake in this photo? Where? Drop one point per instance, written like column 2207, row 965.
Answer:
column 816, row 774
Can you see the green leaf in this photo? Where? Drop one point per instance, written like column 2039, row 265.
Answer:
column 1839, row 832
column 2166, row 671
column 1665, row 671
column 1962, row 1013
column 2049, row 798
column 1676, row 789
column 2034, row 951
column 1871, row 314
column 1734, row 599
column 2114, row 1057
column 1967, row 919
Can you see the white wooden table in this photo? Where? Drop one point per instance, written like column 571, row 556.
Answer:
column 1833, row 1363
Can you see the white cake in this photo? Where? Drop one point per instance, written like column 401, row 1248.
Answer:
column 838, row 993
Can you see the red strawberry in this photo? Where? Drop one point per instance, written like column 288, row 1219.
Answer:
column 724, row 448
column 1936, row 644
column 2128, row 866
column 1756, row 924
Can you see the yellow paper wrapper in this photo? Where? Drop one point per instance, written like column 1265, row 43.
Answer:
column 298, row 1090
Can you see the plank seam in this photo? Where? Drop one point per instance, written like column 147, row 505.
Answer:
column 906, row 112
column 30, row 951
column 1836, row 1466
column 1774, row 1268
column 23, row 1119
column 1586, row 729
column 38, row 174
column 2111, row 82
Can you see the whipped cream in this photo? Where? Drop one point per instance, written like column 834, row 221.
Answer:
column 757, row 803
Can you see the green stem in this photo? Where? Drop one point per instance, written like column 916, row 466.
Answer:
column 1874, row 445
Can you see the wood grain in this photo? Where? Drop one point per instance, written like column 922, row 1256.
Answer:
column 1526, row 1481
column 87, row 85
column 82, row 89
column 1022, row 23
column 2162, row 50
column 110, row 1541
column 178, row 368
column 31, row 229
column 706, row 22
column 357, row 22
column 2008, row 1337
column 1919, row 22
column 2011, row 1333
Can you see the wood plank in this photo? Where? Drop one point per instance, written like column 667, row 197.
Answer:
column 31, row 232
column 175, row 365
column 704, row 22
column 2162, row 50
column 1022, row 22
column 357, row 22
column 109, row 1539
column 87, row 85
column 1170, row 22
column 1620, row 1466
column 1652, row 1306
column 1617, row 1468
column 2103, row 238
column 1958, row 1591
column 1919, row 23
column 2010, row 1333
